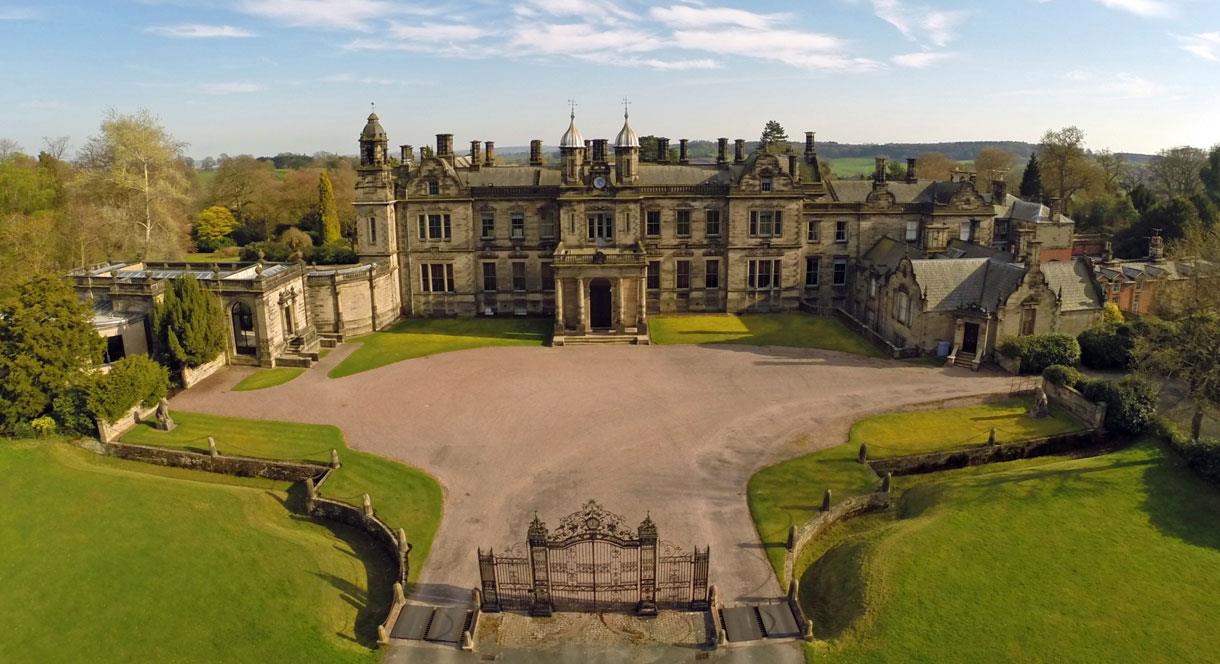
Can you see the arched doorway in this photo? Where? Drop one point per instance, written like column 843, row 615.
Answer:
column 245, row 342
column 599, row 305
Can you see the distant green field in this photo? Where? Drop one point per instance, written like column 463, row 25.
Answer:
column 848, row 168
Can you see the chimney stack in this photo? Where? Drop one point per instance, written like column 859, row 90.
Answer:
column 879, row 175
column 588, row 147
column 476, row 151
column 535, row 152
column 662, row 150
column 792, row 167
column 739, row 150
column 1055, row 211
column 911, row 176
column 406, row 154
column 1156, row 247
column 444, row 145
column 682, row 156
column 1034, row 258
column 810, row 150
column 722, row 151
column 999, row 191
column 489, row 153
column 599, row 150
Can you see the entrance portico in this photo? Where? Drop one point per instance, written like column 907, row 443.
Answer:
column 600, row 296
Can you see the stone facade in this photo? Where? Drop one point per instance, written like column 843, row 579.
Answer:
column 600, row 240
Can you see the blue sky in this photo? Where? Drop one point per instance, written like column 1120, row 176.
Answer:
column 265, row 76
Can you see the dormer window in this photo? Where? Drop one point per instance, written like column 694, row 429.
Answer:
column 765, row 183
column 434, row 187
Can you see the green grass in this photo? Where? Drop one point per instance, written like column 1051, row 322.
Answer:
column 264, row 378
column 850, row 168
column 419, row 337
column 920, row 432
column 104, row 562
column 789, row 493
column 403, row 497
column 793, row 329
column 208, row 259
column 1109, row 558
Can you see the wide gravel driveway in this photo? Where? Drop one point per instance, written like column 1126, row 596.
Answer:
column 675, row 430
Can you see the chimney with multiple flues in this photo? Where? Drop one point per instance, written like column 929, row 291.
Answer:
column 476, row 153
column 739, row 151
column 535, row 152
column 444, row 145
column 599, row 150
column 683, row 158
column 911, row 172
column 662, row 150
column 722, row 151
column 810, row 149
column 489, row 153
column 879, row 172
column 406, row 154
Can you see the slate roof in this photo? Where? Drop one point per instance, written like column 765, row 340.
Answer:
column 951, row 284
column 1132, row 270
column 1073, row 281
column 856, row 191
column 888, row 252
column 513, row 176
column 105, row 316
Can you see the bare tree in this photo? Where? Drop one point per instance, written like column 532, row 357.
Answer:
column 1065, row 170
column 8, row 148
column 56, row 146
column 1175, row 172
column 1113, row 168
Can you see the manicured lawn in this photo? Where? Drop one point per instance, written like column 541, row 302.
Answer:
column 104, row 562
column 789, row 493
column 793, row 329
column 919, row 432
column 403, row 497
column 1114, row 558
column 418, row 337
column 264, row 378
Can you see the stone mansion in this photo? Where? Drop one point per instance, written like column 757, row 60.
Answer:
column 601, row 240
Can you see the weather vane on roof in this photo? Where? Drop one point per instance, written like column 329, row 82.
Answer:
column 626, row 103
column 572, row 105
column 373, row 106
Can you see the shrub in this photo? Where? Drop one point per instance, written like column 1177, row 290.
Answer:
column 276, row 252
column 1130, row 402
column 213, row 245
column 1039, row 352
column 334, row 253
column 1112, row 314
column 44, row 425
column 189, row 324
column 1203, row 455
column 134, row 379
column 1106, row 346
column 1062, row 375
column 71, row 408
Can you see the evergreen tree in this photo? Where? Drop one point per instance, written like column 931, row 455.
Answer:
column 331, row 229
column 189, row 324
column 1031, row 181
column 1210, row 175
column 774, row 138
column 47, row 342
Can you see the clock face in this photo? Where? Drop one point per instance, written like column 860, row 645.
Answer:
column 599, row 182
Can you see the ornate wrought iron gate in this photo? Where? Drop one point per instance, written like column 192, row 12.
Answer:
column 591, row 563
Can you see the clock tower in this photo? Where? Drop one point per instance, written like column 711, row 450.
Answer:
column 376, row 226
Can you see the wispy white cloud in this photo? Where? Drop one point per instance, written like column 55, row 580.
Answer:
column 599, row 11
column 230, row 88
column 330, row 14
column 807, row 50
column 45, row 104
column 579, row 38
column 658, row 64
column 198, row 31
column 921, row 59
column 372, row 80
column 1205, row 45
column 1088, row 83
column 1140, row 7
column 17, row 14
column 689, row 17
column 921, row 23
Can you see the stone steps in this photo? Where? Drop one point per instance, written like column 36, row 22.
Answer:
column 605, row 339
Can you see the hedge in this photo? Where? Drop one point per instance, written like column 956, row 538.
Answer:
column 1041, row 351
column 1203, row 455
column 1130, row 402
column 1062, row 375
column 134, row 379
column 1106, row 346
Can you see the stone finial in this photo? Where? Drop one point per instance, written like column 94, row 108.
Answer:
column 476, row 598
column 826, row 501
column 713, row 597
column 467, row 640
column 311, row 489
column 1041, row 407
column 368, row 506
column 863, row 456
column 403, row 545
column 382, row 637
column 808, row 633
column 399, row 596
column 887, row 482
column 212, row 452
column 793, row 589
column 791, row 538
column 334, row 458
column 722, row 637
column 991, row 437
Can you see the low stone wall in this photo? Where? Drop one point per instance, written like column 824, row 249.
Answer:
column 192, row 377
column 820, row 522
column 984, row 454
column 1092, row 414
column 859, row 327
column 1010, row 364
column 112, row 431
column 287, row 471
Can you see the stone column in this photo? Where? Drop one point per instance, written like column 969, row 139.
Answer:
column 642, row 314
column 559, row 304
column 582, row 326
column 620, row 301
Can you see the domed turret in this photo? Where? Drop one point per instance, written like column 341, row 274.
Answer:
column 373, row 143
column 372, row 130
column 626, row 136
column 571, row 137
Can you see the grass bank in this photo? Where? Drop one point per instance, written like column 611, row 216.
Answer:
column 796, row 330
column 420, row 337
column 104, row 561
column 404, row 497
column 263, row 378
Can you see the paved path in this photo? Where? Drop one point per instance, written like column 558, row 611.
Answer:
column 675, row 430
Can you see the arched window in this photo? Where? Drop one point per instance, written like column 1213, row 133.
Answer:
column 245, row 340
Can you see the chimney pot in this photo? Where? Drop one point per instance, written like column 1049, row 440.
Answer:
column 722, row 150
column 599, row 150
column 535, row 152
column 739, row 150
column 407, row 154
column 662, row 150
column 879, row 175
column 809, row 147
column 911, row 176
column 489, row 153
column 476, row 151
column 682, row 156
column 444, row 145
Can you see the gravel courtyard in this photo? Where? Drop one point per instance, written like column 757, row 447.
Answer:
column 675, row 430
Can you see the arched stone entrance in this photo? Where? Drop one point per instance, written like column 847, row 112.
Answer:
column 245, row 342
column 600, row 305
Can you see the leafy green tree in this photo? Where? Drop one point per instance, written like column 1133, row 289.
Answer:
column 1175, row 171
column 1185, row 350
column 331, row 229
column 47, row 343
column 774, row 138
column 1209, row 175
column 1065, row 168
column 189, row 324
column 214, row 224
column 133, row 379
column 1031, row 181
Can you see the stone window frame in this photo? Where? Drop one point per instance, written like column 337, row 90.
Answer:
column 836, row 263
column 766, row 181
column 547, row 275
column 429, row 277
column 682, row 276
column 432, row 187
column 711, row 274
column 769, row 270
column 601, row 229
column 490, row 275
column 652, row 276
column 813, row 232
column 373, row 230
column 547, row 223
column 515, row 215
column 776, row 222
column 902, row 306
column 424, row 223
column 707, row 222
column 648, row 226
column 678, row 214
column 520, row 276
column 487, row 214
column 813, row 268
column 842, row 234
column 912, row 230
